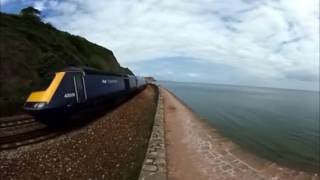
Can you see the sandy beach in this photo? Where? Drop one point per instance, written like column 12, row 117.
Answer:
column 196, row 150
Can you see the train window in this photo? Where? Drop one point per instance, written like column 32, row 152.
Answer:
column 126, row 84
column 79, row 87
column 79, row 82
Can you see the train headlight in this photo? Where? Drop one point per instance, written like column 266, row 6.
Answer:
column 39, row 105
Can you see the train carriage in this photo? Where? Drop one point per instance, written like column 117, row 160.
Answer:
column 75, row 88
column 141, row 82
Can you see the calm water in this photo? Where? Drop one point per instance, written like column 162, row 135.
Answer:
column 281, row 125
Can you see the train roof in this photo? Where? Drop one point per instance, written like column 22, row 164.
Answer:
column 89, row 70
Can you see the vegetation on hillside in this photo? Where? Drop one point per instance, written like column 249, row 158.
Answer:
column 31, row 51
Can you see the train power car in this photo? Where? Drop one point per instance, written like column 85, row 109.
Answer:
column 75, row 88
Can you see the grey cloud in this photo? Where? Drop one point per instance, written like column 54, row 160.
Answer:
column 287, row 42
column 302, row 76
column 230, row 19
column 247, row 10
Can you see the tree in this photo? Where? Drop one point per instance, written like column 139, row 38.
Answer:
column 30, row 11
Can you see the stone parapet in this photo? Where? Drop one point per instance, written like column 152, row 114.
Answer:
column 155, row 165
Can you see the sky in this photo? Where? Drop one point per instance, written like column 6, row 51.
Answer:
column 272, row 43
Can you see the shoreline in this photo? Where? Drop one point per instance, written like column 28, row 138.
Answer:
column 234, row 156
column 282, row 164
column 205, row 121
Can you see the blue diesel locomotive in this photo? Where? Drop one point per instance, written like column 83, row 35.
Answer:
column 74, row 88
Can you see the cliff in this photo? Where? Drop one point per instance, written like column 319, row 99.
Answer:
column 31, row 51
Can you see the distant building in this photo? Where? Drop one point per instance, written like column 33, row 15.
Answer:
column 149, row 79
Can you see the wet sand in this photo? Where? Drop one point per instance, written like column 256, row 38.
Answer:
column 195, row 150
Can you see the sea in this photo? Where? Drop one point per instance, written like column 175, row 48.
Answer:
column 281, row 125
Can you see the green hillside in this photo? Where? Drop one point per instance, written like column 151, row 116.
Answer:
column 30, row 51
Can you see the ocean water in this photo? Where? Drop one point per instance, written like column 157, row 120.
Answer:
column 278, row 124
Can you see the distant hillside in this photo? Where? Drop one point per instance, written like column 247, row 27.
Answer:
column 30, row 51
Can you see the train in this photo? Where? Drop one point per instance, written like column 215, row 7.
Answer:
column 76, row 88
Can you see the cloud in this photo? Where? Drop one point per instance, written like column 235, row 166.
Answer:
column 268, row 39
column 3, row 2
column 40, row 5
column 302, row 75
column 192, row 74
column 177, row 68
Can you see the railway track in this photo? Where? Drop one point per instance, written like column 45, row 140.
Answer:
column 23, row 130
column 31, row 137
column 20, row 128
column 16, row 123
column 15, row 120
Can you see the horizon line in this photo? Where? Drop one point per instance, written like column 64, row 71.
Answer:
column 243, row 85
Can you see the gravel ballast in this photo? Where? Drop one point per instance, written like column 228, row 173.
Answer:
column 110, row 147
